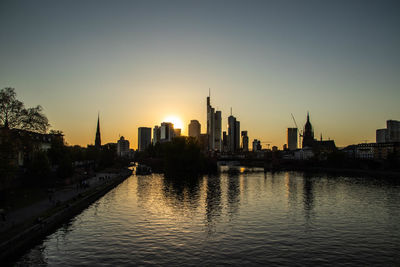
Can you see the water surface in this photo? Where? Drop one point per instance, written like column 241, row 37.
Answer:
column 240, row 218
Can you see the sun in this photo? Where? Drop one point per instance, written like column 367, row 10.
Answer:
column 176, row 121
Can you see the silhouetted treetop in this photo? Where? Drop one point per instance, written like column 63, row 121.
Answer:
column 14, row 115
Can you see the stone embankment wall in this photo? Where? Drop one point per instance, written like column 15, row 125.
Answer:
column 43, row 226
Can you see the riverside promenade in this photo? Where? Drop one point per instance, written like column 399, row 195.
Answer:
column 20, row 226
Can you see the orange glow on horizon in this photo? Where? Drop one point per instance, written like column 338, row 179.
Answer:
column 175, row 120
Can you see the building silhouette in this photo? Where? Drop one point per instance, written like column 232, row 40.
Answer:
column 194, row 129
column 167, row 132
column 122, row 147
column 322, row 146
column 214, row 122
column 233, row 134
column 245, row 141
column 390, row 134
column 97, row 141
column 156, row 134
column 308, row 133
column 291, row 138
column 144, row 138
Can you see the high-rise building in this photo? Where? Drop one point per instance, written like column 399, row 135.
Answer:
column 122, row 147
column 308, row 134
column 237, row 135
column 194, row 128
column 245, row 141
column 167, row 132
column 292, row 138
column 217, row 131
column 233, row 134
column 256, row 145
column 156, row 134
column 97, row 141
column 144, row 138
column 213, row 127
column 390, row 134
column 393, row 128
column 224, row 142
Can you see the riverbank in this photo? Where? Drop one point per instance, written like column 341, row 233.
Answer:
column 20, row 236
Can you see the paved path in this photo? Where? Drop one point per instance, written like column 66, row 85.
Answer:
column 19, row 216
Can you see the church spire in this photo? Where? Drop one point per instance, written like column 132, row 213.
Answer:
column 97, row 142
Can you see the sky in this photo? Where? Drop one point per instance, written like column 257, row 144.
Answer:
column 137, row 62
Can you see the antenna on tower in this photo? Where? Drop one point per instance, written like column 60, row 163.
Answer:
column 231, row 111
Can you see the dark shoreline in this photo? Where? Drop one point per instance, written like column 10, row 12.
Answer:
column 38, row 229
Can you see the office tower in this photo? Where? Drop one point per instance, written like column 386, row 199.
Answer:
column 245, row 141
column 156, row 134
column 213, row 127
column 393, row 130
column 144, row 138
column 256, row 145
column 217, row 131
column 292, row 138
column 233, row 134
column 97, row 141
column 122, row 147
column 224, row 142
column 237, row 135
column 167, row 131
column 194, row 128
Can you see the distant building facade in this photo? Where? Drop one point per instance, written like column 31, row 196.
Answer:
column 144, row 138
column 156, row 134
column 256, row 145
column 214, row 127
column 167, row 132
column 233, row 134
column 291, row 138
column 245, row 141
column 194, row 129
column 123, row 147
column 390, row 134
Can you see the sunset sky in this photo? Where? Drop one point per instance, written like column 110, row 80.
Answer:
column 137, row 62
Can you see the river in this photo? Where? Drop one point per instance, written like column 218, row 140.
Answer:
column 234, row 218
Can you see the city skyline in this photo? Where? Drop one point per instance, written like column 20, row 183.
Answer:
column 339, row 61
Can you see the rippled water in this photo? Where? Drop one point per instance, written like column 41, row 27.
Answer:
column 233, row 219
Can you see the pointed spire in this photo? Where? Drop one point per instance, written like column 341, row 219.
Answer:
column 308, row 116
column 97, row 141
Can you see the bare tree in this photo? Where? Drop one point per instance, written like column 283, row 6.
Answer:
column 13, row 114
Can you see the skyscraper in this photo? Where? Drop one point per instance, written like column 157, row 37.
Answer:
column 233, row 134
column 292, row 138
column 214, row 122
column 167, row 131
column 144, row 138
column 156, row 134
column 194, row 128
column 245, row 141
column 97, row 141
column 217, row 131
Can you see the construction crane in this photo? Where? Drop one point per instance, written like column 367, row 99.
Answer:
column 300, row 131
